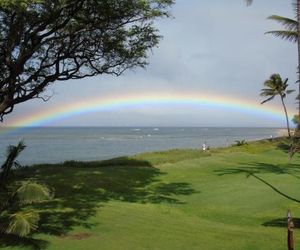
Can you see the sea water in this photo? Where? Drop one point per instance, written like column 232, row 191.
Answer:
column 58, row 144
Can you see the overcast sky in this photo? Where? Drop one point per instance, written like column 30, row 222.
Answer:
column 214, row 47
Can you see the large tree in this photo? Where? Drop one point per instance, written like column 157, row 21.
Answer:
column 43, row 41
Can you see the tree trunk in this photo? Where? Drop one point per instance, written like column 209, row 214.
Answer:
column 286, row 115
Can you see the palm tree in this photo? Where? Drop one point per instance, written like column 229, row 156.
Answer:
column 13, row 198
column 11, row 155
column 290, row 33
column 15, row 220
column 296, row 4
column 275, row 86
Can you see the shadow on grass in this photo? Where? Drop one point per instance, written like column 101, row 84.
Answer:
column 285, row 146
column 254, row 169
column 82, row 188
column 15, row 241
column 281, row 222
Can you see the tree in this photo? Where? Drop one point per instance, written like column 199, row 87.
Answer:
column 296, row 4
column 43, row 41
column 276, row 86
column 12, row 153
column 13, row 218
column 15, row 196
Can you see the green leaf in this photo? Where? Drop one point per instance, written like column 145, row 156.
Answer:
column 14, row 151
column 22, row 223
column 289, row 91
column 288, row 23
column 288, row 35
column 30, row 192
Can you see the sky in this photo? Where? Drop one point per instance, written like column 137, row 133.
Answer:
column 212, row 49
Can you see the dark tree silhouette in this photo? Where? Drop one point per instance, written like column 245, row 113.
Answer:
column 43, row 41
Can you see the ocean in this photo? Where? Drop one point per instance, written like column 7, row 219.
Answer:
column 59, row 144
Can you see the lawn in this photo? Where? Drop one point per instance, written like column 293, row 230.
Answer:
column 230, row 198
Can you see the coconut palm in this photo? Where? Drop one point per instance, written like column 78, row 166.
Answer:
column 275, row 86
column 288, row 36
column 289, row 33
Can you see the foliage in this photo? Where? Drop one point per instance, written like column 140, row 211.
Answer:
column 233, row 199
column 17, row 3
column 295, row 147
column 241, row 142
column 14, row 197
column 14, row 220
column 295, row 119
column 22, row 223
column 46, row 41
column 290, row 33
column 31, row 192
column 275, row 86
column 10, row 162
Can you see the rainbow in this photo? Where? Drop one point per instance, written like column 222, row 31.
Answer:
column 110, row 103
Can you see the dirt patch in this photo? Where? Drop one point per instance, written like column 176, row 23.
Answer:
column 77, row 236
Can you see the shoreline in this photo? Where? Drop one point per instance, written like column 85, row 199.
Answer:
column 56, row 145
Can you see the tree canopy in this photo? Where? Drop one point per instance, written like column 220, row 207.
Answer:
column 43, row 41
column 276, row 86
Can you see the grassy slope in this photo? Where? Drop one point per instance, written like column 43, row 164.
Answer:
column 233, row 198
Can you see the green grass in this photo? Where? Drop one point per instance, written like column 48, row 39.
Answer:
column 230, row 198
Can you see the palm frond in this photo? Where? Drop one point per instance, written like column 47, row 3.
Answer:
column 267, row 92
column 275, row 86
column 289, row 91
column 22, row 223
column 269, row 99
column 15, row 150
column 287, row 23
column 30, row 192
column 288, row 35
column 12, row 153
column 270, row 86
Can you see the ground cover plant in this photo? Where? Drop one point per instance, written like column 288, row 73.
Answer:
column 225, row 198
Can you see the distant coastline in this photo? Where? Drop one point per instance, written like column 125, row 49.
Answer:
column 59, row 144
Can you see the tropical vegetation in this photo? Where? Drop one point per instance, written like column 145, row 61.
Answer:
column 184, row 199
column 292, row 29
column 46, row 41
column 275, row 86
column 290, row 33
column 14, row 196
column 225, row 198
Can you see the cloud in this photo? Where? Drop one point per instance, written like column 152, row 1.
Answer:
column 213, row 46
